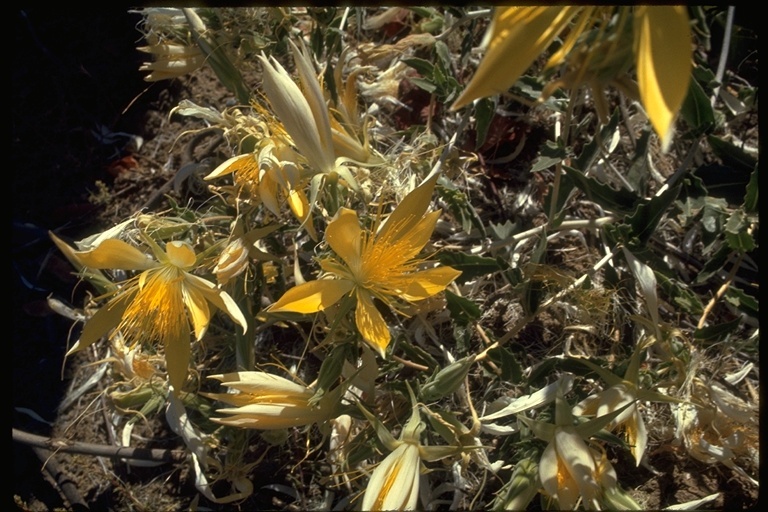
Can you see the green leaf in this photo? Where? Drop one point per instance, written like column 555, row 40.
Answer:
column 648, row 215
column 733, row 156
column 717, row 332
column 463, row 311
column 737, row 234
column 679, row 294
column 750, row 198
column 697, row 110
column 470, row 266
column 551, row 153
column 621, row 201
column 745, row 302
column 424, row 67
column 511, row 371
column 484, row 111
column 424, row 83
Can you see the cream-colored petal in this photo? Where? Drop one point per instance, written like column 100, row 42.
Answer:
column 315, row 98
column 426, row 283
column 577, row 458
column 295, row 113
column 258, row 383
column 394, row 484
column 218, row 298
column 555, row 479
column 116, row 254
column 371, row 324
column 177, row 353
column 313, row 296
column 345, row 237
column 664, row 61
column 518, row 36
column 637, row 434
column 106, row 318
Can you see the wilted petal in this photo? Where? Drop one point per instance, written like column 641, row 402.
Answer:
column 370, row 323
column 664, row 61
column 313, row 296
column 394, row 484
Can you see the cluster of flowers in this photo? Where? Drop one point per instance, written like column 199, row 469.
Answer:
column 305, row 153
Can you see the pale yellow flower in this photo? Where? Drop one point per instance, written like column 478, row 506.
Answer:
column 381, row 265
column 158, row 304
column 570, row 470
column 268, row 402
column 596, row 51
column 394, row 484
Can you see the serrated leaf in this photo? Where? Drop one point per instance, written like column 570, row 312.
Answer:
column 743, row 301
column 750, row 198
column 648, row 215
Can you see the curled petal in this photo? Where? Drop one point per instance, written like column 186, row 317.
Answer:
column 217, row 297
column 234, row 164
column 180, row 254
column 105, row 319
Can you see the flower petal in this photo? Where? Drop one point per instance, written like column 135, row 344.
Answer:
column 664, row 60
column 394, row 484
column 261, row 383
column 217, row 297
column 371, row 324
column 409, row 212
column 577, row 458
column 518, row 36
column 114, row 253
column 177, row 353
column 105, row 319
column 345, row 237
column 180, row 254
column 234, row 164
column 198, row 309
column 426, row 283
column 313, row 296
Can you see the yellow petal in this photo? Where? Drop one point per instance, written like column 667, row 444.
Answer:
column 177, row 352
column 664, row 61
column 371, row 324
column 234, row 164
column 577, row 458
column 345, row 236
column 261, row 383
column 409, row 212
column 417, row 236
column 313, row 296
column 427, row 283
column 105, row 319
column 556, row 480
column 217, row 297
column 114, row 253
column 198, row 310
column 518, row 36
column 180, row 254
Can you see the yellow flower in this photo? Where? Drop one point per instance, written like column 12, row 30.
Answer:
column 268, row 402
column 596, row 53
column 156, row 305
column 374, row 266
